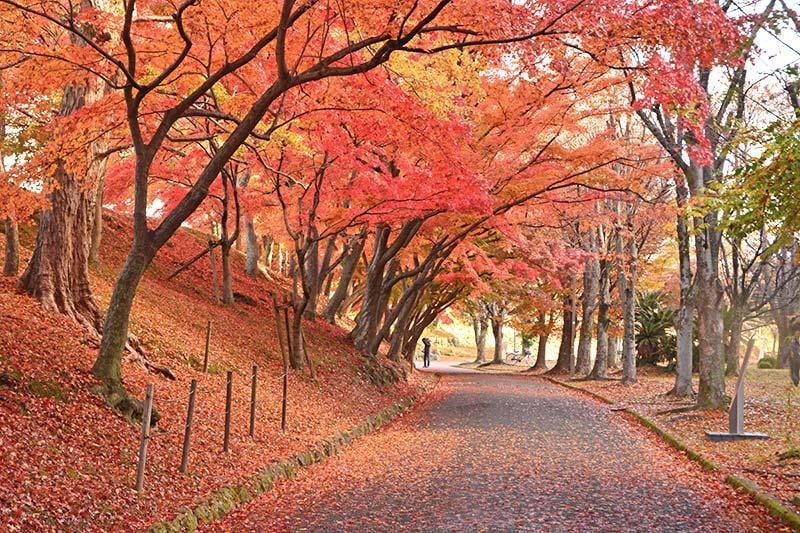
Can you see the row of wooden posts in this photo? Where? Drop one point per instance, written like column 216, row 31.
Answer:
column 187, row 434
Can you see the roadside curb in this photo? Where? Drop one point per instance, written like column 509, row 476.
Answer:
column 226, row 499
column 766, row 500
column 773, row 504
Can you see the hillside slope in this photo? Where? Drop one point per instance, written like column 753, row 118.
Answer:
column 70, row 463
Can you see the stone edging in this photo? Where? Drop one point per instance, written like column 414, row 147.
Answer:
column 770, row 502
column 228, row 498
column 775, row 506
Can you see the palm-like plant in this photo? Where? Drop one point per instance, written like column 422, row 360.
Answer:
column 655, row 340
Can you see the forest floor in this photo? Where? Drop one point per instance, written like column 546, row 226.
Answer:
column 504, row 453
column 772, row 406
column 69, row 463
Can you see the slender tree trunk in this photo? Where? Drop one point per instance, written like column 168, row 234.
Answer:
column 268, row 244
column 349, row 264
column 280, row 261
column 226, row 243
column 11, row 264
column 684, row 318
column 784, row 337
column 401, row 325
column 325, row 268
column 115, row 332
column 97, row 222
column 588, row 305
column 541, row 352
column 613, row 353
column 480, row 326
column 627, row 287
column 312, row 281
column 733, row 347
column 604, row 294
column 253, row 250
column 227, row 274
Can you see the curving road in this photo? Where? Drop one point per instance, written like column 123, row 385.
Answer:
column 504, row 453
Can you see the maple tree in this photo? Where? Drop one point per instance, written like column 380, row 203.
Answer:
column 409, row 112
column 377, row 167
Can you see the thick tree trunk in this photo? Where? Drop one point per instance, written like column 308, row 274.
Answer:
column 708, row 298
column 564, row 362
column 480, row 326
column 541, row 350
column 588, row 305
column 253, row 250
column 604, row 294
column 378, row 284
column 58, row 273
column 684, row 318
column 369, row 314
column 11, row 263
column 497, row 333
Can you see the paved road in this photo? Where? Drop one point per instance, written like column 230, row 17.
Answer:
column 504, row 453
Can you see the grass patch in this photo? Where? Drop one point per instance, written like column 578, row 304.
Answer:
column 46, row 389
column 793, row 453
column 213, row 368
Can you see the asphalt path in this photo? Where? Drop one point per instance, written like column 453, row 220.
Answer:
column 492, row 452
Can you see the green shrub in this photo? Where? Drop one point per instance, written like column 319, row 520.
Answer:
column 767, row 363
column 655, row 337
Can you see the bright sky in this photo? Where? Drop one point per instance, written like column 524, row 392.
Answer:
column 780, row 49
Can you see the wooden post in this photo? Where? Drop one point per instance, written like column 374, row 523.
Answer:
column 228, row 393
column 253, row 401
column 148, row 412
column 187, row 432
column 208, row 346
column 285, row 396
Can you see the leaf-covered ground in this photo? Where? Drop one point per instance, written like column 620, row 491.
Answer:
column 504, row 453
column 68, row 463
column 772, row 406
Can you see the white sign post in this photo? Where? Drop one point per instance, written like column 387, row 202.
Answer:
column 736, row 413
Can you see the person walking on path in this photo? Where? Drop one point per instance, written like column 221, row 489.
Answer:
column 426, row 352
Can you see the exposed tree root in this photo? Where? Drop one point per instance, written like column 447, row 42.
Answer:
column 126, row 405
